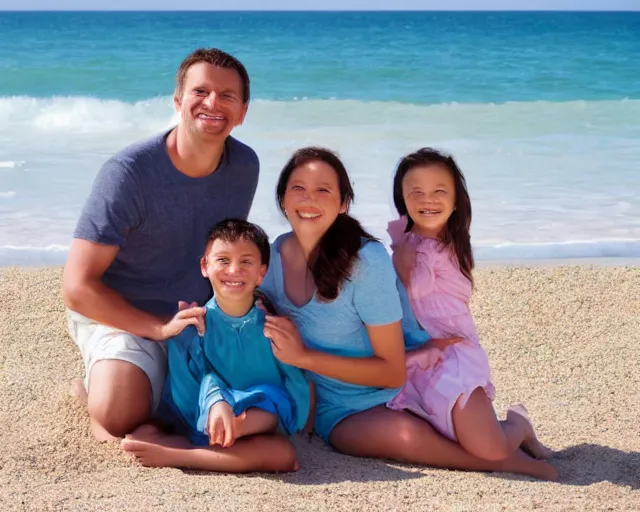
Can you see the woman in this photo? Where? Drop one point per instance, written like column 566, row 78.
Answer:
column 336, row 288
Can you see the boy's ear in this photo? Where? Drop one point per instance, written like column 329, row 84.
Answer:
column 203, row 266
column 263, row 272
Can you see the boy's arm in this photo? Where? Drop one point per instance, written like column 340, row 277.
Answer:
column 212, row 391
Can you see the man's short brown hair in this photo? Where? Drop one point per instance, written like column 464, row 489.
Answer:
column 217, row 58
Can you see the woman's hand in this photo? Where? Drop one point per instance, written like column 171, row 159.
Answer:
column 286, row 343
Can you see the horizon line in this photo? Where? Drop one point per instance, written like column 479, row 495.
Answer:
column 329, row 10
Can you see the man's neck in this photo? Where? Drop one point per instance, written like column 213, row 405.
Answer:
column 191, row 156
column 236, row 308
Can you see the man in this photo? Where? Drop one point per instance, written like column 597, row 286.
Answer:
column 136, row 248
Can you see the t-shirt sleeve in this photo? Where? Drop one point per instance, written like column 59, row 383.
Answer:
column 375, row 293
column 113, row 208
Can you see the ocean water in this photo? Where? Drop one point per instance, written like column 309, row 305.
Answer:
column 541, row 110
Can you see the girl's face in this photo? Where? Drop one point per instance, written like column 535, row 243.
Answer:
column 430, row 195
column 312, row 198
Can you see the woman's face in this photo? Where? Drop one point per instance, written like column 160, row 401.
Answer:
column 312, row 198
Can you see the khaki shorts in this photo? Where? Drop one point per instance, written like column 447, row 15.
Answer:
column 98, row 342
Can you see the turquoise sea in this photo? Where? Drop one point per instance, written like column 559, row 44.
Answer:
column 542, row 111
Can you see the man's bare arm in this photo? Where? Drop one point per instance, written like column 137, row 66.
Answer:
column 85, row 293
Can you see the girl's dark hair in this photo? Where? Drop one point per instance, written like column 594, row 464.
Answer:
column 456, row 233
column 338, row 248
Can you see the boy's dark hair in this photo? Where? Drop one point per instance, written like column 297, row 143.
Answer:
column 232, row 230
column 218, row 59
column 338, row 248
column 456, row 235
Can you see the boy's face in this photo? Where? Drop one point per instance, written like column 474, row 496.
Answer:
column 234, row 269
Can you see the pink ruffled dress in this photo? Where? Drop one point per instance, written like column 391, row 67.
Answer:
column 440, row 295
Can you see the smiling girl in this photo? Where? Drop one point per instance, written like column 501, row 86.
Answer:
column 450, row 388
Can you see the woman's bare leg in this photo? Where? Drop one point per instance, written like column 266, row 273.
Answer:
column 263, row 452
column 386, row 434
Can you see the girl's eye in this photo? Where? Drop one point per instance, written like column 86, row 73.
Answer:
column 297, row 187
column 323, row 190
column 440, row 191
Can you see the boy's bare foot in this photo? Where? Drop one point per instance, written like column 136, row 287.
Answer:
column 531, row 444
column 78, row 391
column 153, row 454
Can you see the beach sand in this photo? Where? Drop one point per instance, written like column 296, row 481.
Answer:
column 564, row 340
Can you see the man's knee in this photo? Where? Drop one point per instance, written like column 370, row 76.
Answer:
column 119, row 396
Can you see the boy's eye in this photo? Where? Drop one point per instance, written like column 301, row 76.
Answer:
column 223, row 260
column 246, row 262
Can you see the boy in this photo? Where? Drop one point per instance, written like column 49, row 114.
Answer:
column 227, row 385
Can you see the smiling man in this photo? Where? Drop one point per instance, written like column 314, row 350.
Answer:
column 138, row 241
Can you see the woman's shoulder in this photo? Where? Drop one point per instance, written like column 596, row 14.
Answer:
column 373, row 253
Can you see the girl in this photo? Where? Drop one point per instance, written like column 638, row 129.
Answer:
column 336, row 288
column 432, row 253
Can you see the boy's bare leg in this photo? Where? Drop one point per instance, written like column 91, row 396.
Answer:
column 263, row 452
column 257, row 421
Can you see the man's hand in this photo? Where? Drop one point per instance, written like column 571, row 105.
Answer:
column 188, row 314
column 223, row 426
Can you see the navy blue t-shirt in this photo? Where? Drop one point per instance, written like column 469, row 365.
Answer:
column 159, row 217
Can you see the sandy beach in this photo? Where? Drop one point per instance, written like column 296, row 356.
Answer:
column 563, row 340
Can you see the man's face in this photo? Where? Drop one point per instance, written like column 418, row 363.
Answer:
column 210, row 104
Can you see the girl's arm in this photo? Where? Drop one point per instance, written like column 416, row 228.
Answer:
column 385, row 369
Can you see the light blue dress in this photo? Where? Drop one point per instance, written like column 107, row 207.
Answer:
column 372, row 296
column 232, row 362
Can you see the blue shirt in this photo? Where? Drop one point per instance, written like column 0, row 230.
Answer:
column 232, row 362
column 369, row 297
column 160, row 218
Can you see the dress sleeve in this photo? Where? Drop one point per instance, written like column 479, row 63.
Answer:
column 396, row 229
column 375, row 295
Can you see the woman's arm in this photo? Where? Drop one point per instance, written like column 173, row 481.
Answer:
column 385, row 369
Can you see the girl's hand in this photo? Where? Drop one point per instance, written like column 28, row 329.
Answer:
column 286, row 343
column 442, row 343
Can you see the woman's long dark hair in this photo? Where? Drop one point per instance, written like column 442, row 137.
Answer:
column 456, row 234
column 338, row 248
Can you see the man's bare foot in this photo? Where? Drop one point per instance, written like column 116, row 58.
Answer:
column 78, row 391
column 531, row 444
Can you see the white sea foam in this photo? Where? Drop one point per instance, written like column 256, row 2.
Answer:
column 547, row 180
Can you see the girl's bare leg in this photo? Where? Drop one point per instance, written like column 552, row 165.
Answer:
column 386, row 434
column 480, row 433
column 263, row 452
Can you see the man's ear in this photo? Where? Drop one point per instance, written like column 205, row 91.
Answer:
column 177, row 102
column 245, row 107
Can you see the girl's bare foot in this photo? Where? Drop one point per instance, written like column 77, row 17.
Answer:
column 522, row 463
column 78, row 391
column 531, row 444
